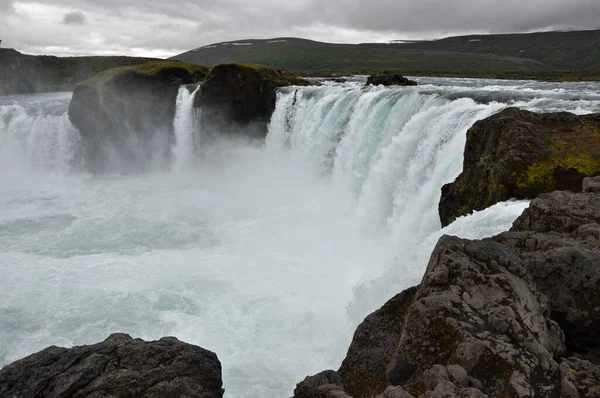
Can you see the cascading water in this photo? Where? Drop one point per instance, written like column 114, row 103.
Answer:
column 37, row 136
column 184, row 126
column 268, row 255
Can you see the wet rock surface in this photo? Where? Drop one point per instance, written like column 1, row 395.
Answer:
column 117, row 367
column 389, row 79
column 522, row 154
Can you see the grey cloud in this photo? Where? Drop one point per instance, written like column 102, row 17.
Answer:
column 490, row 16
column 74, row 18
column 180, row 25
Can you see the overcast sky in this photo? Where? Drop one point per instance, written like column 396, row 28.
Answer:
column 164, row 28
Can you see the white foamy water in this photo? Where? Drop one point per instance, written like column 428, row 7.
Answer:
column 268, row 254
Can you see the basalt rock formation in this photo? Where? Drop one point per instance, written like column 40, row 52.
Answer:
column 516, row 315
column 521, row 154
column 241, row 98
column 125, row 115
column 117, row 367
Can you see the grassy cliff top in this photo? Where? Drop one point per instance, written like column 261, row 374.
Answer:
column 169, row 70
column 277, row 77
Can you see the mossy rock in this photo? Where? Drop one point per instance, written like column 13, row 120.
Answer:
column 124, row 114
column 241, row 94
column 170, row 72
column 521, row 154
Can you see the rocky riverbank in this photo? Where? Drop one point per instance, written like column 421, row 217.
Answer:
column 516, row 315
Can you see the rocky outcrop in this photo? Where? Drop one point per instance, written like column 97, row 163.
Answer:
column 24, row 74
column 117, row 367
column 389, row 79
column 241, row 98
column 521, row 154
column 516, row 315
column 125, row 115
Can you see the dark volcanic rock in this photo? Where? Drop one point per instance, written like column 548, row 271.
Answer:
column 237, row 95
column 125, row 115
column 558, row 236
column 327, row 384
column 516, row 315
column 522, row 154
column 24, row 74
column 371, row 361
column 118, row 367
column 389, row 79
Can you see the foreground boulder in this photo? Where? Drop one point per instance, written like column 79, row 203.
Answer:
column 125, row 115
column 118, row 367
column 521, row 154
column 389, row 79
column 516, row 315
column 241, row 98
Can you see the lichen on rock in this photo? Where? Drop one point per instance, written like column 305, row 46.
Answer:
column 521, row 154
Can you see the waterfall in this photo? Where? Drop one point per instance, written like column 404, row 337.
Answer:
column 184, row 126
column 389, row 149
column 37, row 138
column 392, row 149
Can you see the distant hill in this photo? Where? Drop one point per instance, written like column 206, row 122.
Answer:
column 577, row 50
column 21, row 73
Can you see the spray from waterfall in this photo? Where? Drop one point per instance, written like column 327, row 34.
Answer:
column 185, row 124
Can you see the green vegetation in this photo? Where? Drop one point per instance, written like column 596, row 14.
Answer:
column 550, row 56
column 151, row 69
column 22, row 73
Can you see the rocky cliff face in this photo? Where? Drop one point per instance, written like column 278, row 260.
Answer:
column 125, row 115
column 516, row 315
column 522, row 154
column 24, row 74
column 117, row 367
column 240, row 98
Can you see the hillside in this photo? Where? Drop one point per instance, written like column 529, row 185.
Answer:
column 21, row 73
column 518, row 52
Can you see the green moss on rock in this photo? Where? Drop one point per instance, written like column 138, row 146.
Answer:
column 167, row 71
column 522, row 154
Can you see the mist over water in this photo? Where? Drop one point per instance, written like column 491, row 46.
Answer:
column 267, row 253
